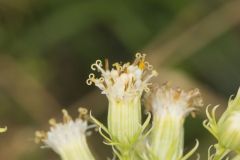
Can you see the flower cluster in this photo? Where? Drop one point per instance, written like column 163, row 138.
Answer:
column 160, row 136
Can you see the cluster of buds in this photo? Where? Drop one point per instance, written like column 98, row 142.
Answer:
column 68, row 139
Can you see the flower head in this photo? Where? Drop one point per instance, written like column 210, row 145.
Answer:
column 123, row 80
column 173, row 101
column 170, row 107
column 123, row 84
column 68, row 139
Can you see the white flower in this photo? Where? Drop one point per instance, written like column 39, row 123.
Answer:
column 123, row 81
column 174, row 101
column 123, row 85
column 169, row 107
column 68, row 139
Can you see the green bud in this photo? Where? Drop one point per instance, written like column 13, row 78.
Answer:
column 228, row 125
column 227, row 129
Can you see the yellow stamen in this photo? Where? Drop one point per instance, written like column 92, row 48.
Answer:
column 141, row 65
column 66, row 116
column 40, row 136
column 83, row 113
column 52, row 122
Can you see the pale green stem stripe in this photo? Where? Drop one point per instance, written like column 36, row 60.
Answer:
column 166, row 138
column 77, row 151
column 124, row 122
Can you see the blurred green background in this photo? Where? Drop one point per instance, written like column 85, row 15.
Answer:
column 47, row 47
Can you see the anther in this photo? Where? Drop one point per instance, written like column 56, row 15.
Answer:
column 52, row 122
column 83, row 113
column 66, row 116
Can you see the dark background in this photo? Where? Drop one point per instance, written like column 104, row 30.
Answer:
column 47, row 47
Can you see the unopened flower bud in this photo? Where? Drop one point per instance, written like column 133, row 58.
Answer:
column 229, row 132
column 227, row 129
column 229, row 125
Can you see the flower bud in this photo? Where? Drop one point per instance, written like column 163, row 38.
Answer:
column 227, row 129
column 68, row 139
column 229, row 132
column 228, row 125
